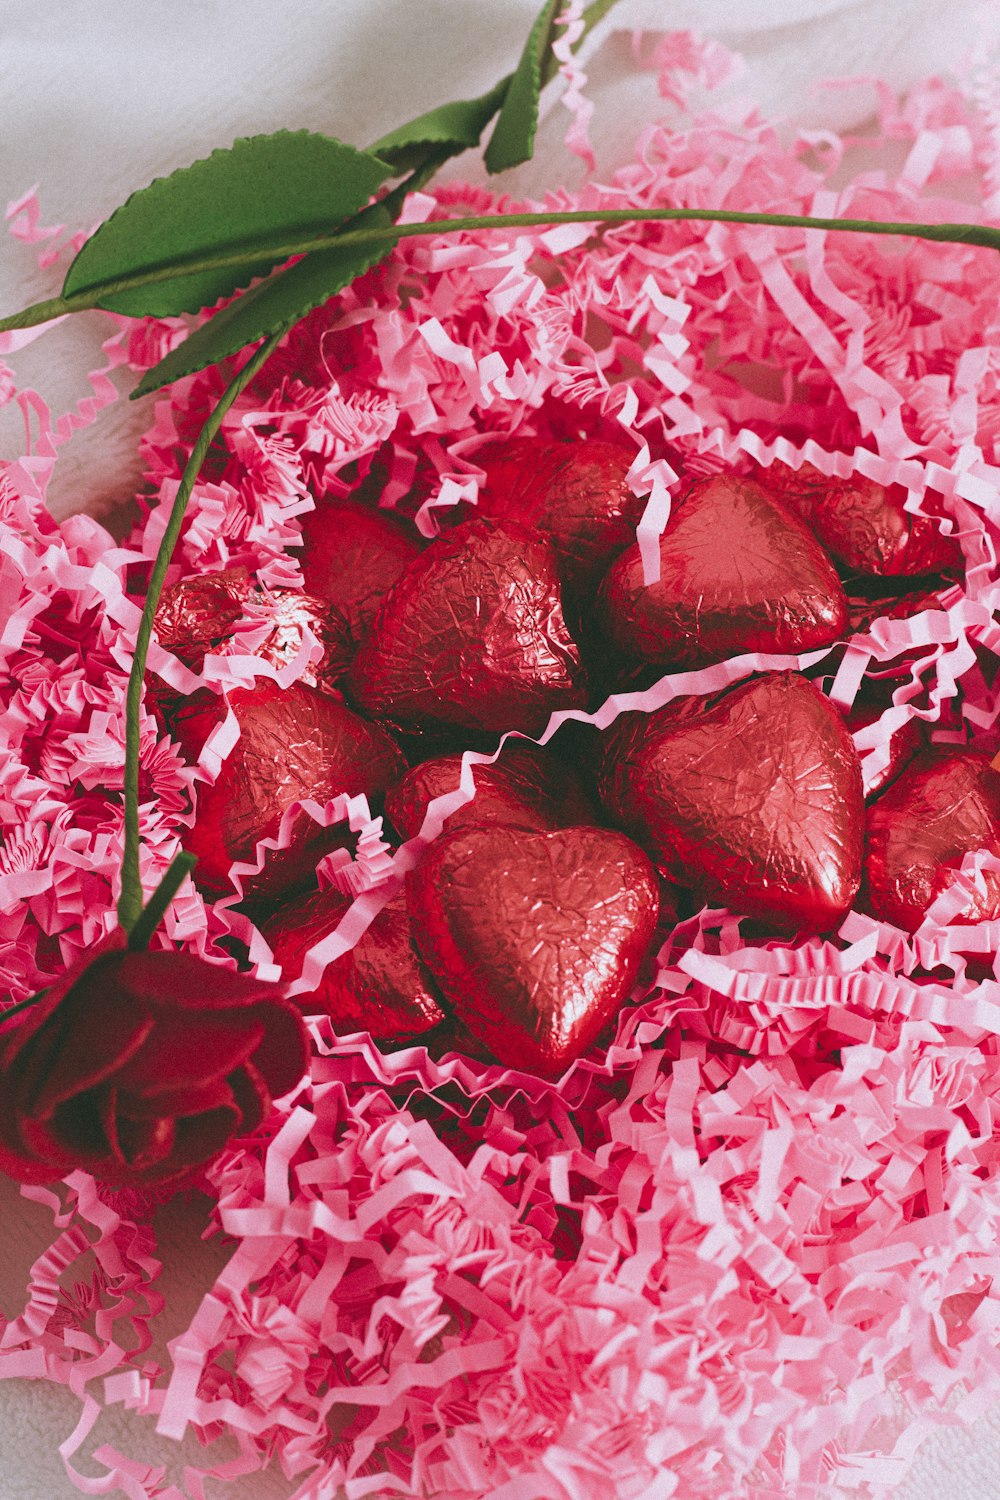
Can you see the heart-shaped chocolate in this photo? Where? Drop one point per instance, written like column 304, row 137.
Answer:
column 526, row 785
column 472, row 635
column 294, row 743
column 864, row 525
column 754, row 803
column 944, row 805
column 380, row 986
column 534, row 938
column 738, row 572
column 199, row 612
column 352, row 555
column 573, row 493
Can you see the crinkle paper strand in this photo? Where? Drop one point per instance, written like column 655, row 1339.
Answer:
column 721, row 1256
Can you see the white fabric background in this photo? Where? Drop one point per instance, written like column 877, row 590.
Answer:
column 99, row 96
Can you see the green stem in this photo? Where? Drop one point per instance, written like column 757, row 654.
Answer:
column 155, row 909
column 130, row 901
column 15, row 1010
column 986, row 236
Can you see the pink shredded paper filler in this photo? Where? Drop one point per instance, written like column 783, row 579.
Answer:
column 748, row 1246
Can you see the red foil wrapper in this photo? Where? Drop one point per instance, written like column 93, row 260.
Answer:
column 351, row 557
column 197, row 614
column 863, row 524
column 200, row 614
column 946, row 804
column 291, row 614
column 738, row 572
column 754, row 803
column 472, row 636
column 535, row 939
column 525, row 785
column 574, row 494
column 380, row 986
column 294, row 743
column 862, row 612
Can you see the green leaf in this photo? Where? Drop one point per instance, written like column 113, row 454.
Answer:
column 258, row 196
column 457, row 125
column 280, row 301
column 513, row 138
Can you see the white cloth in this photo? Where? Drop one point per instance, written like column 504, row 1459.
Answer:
column 100, row 96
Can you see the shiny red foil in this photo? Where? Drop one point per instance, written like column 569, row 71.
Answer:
column 294, row 743
column 863, row 524
column 291, row 614
column 380, row 986
column 535, row 939
column 946, row 804
column 526, row 785
column 573, row 493
column 754, row 803
column 472, row 636
column 351, row 557
column 738, row 572
column 198, row 613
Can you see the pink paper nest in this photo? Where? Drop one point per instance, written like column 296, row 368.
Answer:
column 748, row 1247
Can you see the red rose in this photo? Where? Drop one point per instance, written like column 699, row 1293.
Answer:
column 139, row 1067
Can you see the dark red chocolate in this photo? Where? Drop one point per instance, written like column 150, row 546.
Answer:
column 754, row 803
column 535, row 939
column 863, row 524
column 352, row 555
column 380, row 986
column 738, row 573
column 294, row 743
column 944, row 805
column 472, row 636
column 526, row 785
column 573, row 493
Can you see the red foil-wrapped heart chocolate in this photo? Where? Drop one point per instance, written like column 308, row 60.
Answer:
column 294, row 743
column 863, row 524
column 738, row 572
column 198, row 613
column 946, row 804
column 535, row 939
column 380, row 986
column 573, row 493
column 526, row 785
column 472, row 636
column 201, row 614
column 754, row 803
column 290, row 614
column 352, row 555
